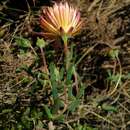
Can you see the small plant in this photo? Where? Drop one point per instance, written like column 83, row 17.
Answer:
column 62, row 21
column 58, row 82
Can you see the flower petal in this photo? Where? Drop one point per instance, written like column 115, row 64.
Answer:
column 60, row 19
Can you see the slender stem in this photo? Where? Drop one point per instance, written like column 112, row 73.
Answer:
column 44, row 60
column 66, row 51
column 65, row 93
column 76, row 81
column 67, row 61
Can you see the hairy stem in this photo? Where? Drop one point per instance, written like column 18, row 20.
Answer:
column 66, row 51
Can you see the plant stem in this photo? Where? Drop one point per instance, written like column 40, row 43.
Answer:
column 66, row 51
column 67, row 61
column 44, row 60
column 76, row 81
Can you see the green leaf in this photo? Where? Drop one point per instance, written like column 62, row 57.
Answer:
column 74, row 105
column 22, row 42
column 60, row 118
column 58, row 103
column 57, row 74
column 41, row 43
column 70, row 73
column 48, row 112
column 2, row 32
column 107, row 107
column 70, row 93
column 19, row 126
column 90, row 128
column 12, row 128
column 114, row 53
column 53, row 74
column 62, row 71
column 21, row 68
column 81, row 91
column 5, row 111
column 34, row 114
column 39, row 125
column 115, row 78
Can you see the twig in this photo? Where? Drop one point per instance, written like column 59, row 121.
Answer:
column 66, row 51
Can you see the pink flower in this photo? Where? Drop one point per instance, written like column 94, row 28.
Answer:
column 61, row 19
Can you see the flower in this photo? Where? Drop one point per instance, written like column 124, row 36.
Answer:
column 59, row 20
